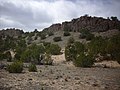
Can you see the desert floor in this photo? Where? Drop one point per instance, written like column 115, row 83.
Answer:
column 64, row 76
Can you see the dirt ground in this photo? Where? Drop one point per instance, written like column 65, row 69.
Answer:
column 64, row 76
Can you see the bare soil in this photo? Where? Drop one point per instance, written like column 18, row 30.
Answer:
column 64, row 76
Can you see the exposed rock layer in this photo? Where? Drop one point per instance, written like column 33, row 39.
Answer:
column 95, row 24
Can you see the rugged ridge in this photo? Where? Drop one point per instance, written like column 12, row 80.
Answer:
column 12, row 32
column 95, row 24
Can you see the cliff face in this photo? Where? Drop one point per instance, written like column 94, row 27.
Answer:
column 95, row 24
column 54, row 27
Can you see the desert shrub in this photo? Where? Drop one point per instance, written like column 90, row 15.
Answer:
column 26, row 55
column 66, row 33
column 79, row 47
column 15, row 67
column 86, row 34
column 20, row 48
column 89, row 36
column 77, row 53
column 73, row 49
column 35, row 31
column 48, row 60
column 35, row 38
column 113, row 47
column 70, row 52
column 1, row 56
column 32, row 53
column 57, row 39
column 54, row 49
column 97, row 46
column 82, row 36
column 32, row 68
column 114, row 18
column 83, row 61
column 43, row 36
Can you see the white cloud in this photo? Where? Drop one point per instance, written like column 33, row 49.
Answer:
column 31, row 14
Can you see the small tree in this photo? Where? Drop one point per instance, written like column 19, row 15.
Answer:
column 66, row 33
column 57, row 39
column 15, row 67
column 54, row 49
column 83, row 61
column 113, row 47
column 114, row 18
column 70, row 52
column 43, row 36
column 83, row 33
column 89, row 36
column 48, row 60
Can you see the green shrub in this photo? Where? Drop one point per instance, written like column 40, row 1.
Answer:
column 86, row 34
column 48, row 60
column 89, row 37
column 79, row 47
column 113, row 47
column 32, row 53
column 97, row 46
column 82, row 36
column 43, row 36
column 1, row 56
column 32, row 68
column 57, row 39
column 83, row 61
column 15, row 67
column 54, row 49
column 66, row 33
column 35, row 38
column 70, row 52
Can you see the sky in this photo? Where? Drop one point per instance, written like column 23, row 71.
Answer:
column 39, row 14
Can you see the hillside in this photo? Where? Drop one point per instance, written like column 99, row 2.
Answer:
column 97, row 25
column 94, row 24
column 82, row 54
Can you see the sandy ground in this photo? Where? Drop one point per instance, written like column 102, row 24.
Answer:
column 64, row 76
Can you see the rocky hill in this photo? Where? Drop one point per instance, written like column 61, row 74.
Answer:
column 62, row 71
column 12, row 32
column 95, row 24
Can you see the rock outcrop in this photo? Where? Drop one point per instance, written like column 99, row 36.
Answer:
column 12, row 32
column 95, row 24
column 54, row 27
